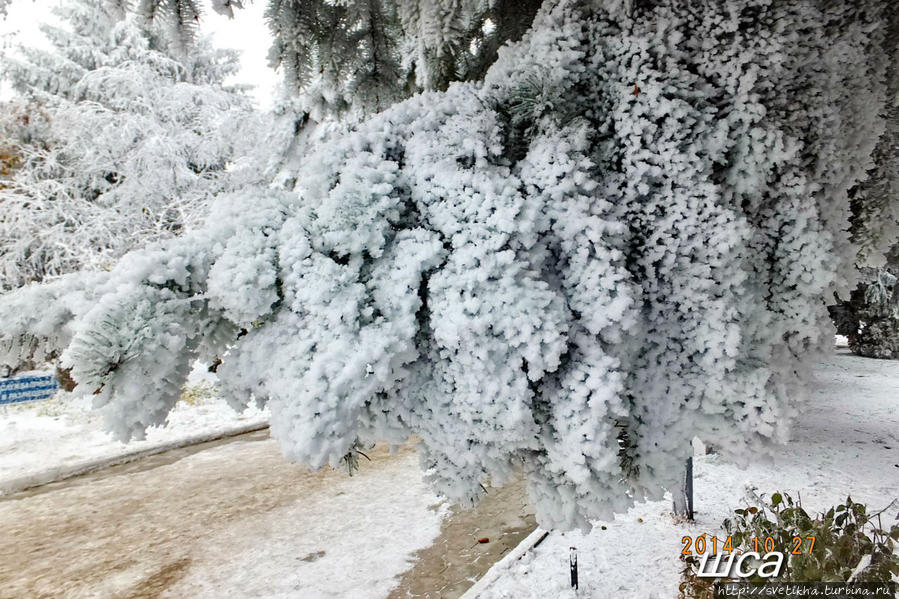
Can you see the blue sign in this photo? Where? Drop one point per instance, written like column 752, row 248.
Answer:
column 29, row 387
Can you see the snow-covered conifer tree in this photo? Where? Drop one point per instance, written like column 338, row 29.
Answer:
column 617, row 239
column 121, row 142
column 869, row 317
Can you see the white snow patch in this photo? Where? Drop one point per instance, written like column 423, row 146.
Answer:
column 352, row 539
column 863, row 563
column 65, row 431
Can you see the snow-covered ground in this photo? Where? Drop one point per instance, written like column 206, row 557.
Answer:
column 847, row 443
column 64, row 433
column 350, row 538
column 221, row 520
column 234, row 519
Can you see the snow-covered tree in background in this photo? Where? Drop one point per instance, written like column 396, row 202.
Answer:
column 121, row 140
column 869, row 317
column 618, row 239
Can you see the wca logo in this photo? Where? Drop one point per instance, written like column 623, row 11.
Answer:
column 742, row 565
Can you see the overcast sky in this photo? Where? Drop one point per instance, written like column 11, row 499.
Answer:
column 246, row 32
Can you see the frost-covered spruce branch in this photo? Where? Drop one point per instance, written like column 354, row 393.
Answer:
column 356, row 56
column 619, row 240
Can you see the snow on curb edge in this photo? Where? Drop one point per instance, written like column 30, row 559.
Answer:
column 52, row 475
column 529, row 542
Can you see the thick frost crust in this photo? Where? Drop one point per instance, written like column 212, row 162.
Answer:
column 619, row 241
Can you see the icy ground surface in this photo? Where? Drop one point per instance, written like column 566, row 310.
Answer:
column 230, row 519
column 64, row 432
column 847, row 442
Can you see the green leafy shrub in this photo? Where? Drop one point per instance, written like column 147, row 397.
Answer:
column 843, row 544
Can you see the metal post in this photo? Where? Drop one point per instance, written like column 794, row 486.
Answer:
column 688, row 487
column 683, row 497
column 572, row 560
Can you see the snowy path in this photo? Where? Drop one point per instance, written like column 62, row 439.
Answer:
column 230, row 518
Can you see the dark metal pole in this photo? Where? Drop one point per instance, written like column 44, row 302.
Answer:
column 688, row 487
column 572, row 560
column 683, row 497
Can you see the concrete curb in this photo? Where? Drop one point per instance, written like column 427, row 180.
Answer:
column 529, row 542
column 52, row 475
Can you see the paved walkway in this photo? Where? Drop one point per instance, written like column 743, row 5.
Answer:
column 210, row 521
column 456, row 560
